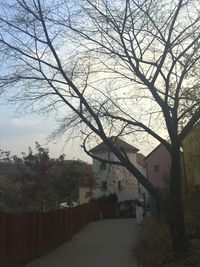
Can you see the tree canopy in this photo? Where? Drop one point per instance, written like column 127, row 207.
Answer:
column 36, row 182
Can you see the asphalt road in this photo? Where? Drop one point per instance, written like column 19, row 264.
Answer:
column 107, row 243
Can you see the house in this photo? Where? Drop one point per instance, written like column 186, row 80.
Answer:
column 76, row 181
column 114, row 178
column 141, row 166
column 191, row 151
column 158, row 166
column 86, row 185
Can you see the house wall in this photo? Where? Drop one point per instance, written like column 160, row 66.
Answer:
column 142, row 190
column 159, row 157
column 162, row 158
column 103, row 174
column 191, row 149
column 82, row 193
column 112, row 174
column 161, row 179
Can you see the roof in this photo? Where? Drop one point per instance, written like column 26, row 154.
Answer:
column 140, row 159
column 156, row 149
column 118, row 143
column 153, row 151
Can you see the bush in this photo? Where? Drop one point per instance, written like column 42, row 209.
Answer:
column 192, row 215
column 154, row 246
column 154, row 243
column 110, row 198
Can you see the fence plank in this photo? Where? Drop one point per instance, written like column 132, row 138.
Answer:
column 24, row 237
column 2, row 239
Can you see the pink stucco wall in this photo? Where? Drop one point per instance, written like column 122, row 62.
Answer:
column 159, row 157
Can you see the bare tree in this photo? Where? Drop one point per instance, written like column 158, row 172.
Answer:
column 112, row 67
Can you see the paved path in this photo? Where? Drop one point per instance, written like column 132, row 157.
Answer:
column 107, row 243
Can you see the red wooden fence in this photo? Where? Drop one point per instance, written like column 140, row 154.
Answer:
column 24, row 237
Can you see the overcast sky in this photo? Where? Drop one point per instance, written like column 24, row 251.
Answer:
column 18, row 132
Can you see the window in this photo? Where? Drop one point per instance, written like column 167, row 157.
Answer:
column 104, row 185
column 156, row 168
column 119, row 185
column 103, row 166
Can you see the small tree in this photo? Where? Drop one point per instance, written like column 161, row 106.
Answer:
column 35, row 174
column 119, row 67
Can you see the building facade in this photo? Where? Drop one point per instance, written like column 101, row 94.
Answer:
column 158, row 166
column 114, row 178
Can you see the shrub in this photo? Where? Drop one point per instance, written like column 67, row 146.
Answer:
column 192, row 215
column 110, row 198
column 154, row 243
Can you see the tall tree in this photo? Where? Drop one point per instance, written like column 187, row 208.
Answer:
column 115, row 67
column 35, row 174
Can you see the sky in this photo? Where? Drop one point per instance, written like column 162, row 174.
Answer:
column 18, row 132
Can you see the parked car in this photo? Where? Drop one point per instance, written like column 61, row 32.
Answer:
column 66, row 205
column 126, row 209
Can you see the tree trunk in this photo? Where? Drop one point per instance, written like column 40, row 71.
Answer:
column 177, row 221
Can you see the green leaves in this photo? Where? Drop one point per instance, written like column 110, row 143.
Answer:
column 37, row 182
column 10, row 195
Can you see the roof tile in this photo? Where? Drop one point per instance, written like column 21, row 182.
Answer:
column 118, row 143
